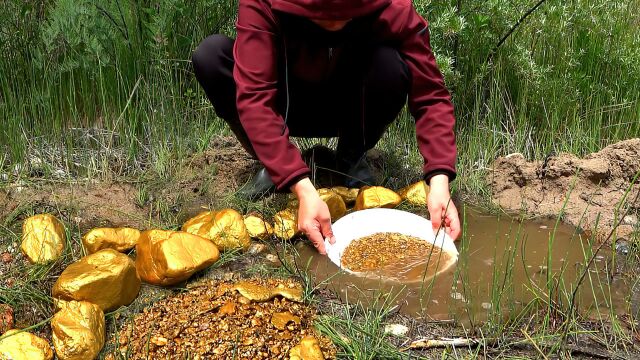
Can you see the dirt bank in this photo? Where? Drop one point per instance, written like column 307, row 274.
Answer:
column 592, row 187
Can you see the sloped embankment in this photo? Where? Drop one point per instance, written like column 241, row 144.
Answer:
column 593, row 187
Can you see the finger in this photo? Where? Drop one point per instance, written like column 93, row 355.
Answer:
column 453, row 222
column 327, row 232
column 436, row 218
column 454, row 226
column 313, row 233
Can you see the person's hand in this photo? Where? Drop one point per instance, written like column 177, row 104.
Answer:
column 314, row 219
column 441, row 208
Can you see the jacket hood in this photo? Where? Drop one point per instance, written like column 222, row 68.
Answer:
column 329, row 9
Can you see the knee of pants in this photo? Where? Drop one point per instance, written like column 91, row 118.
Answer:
column 210, row 57
column 388, row 77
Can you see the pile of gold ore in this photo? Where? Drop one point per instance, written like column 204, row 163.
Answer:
column 252, row 319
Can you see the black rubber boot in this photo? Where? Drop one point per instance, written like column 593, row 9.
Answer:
column 358, row 173
column 259, row 186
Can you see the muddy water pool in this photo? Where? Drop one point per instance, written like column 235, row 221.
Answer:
column 503, row 265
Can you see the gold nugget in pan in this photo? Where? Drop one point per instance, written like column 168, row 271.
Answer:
column 391, row 253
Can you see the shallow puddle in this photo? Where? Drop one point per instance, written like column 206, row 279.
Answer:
column 503, row 265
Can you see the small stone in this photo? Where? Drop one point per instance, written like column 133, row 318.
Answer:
column 78, row 331
column 228, row 308
column 159, row 340
column 107, row 278
column 43, row 238
column 6, row 257
column 272, row 258
column 518, row 155
column 6, row 318
column 622, row 247
column 35, row 162
column 396, row 329
column 17, row 169
column 228, row 276
column 307, row 349
column 59, row 173
column 282, row 319
column 256, row 248
column 486, row 305
column 630, row 220
column 22, row 345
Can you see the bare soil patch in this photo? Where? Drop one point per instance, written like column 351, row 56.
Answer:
column 89, row 204
column 221, row 169
column 593, row 187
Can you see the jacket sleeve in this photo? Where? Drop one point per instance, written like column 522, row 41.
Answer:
column 429, row 100
column 256, row 77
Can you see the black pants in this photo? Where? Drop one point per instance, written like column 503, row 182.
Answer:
column 356, row 109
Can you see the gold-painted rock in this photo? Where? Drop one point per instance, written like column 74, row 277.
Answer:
column 257, row 227
column 377, row 197
column 106, row 278
column 307, row 349
column 78, row 331
column 119, row 239
column 282, row 319
column 415, row 194
column 21, row 345
column 348, row 195
column 335, row 203
column 285, row 224
column 226, row 230
column 260, row 293
column 43, row 238
column 193, row 225
column 169, row 257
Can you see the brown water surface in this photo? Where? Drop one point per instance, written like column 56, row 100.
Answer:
column 503, row 265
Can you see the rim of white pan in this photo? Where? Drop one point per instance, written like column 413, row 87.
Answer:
column 370, row 221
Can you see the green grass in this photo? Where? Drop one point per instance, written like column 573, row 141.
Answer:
column 104, row 87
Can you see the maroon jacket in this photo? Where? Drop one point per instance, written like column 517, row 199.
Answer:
column 256, row 54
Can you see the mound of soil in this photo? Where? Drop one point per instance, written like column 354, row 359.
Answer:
column 592, row 187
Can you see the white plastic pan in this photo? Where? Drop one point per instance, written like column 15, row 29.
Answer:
column 367, row 222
